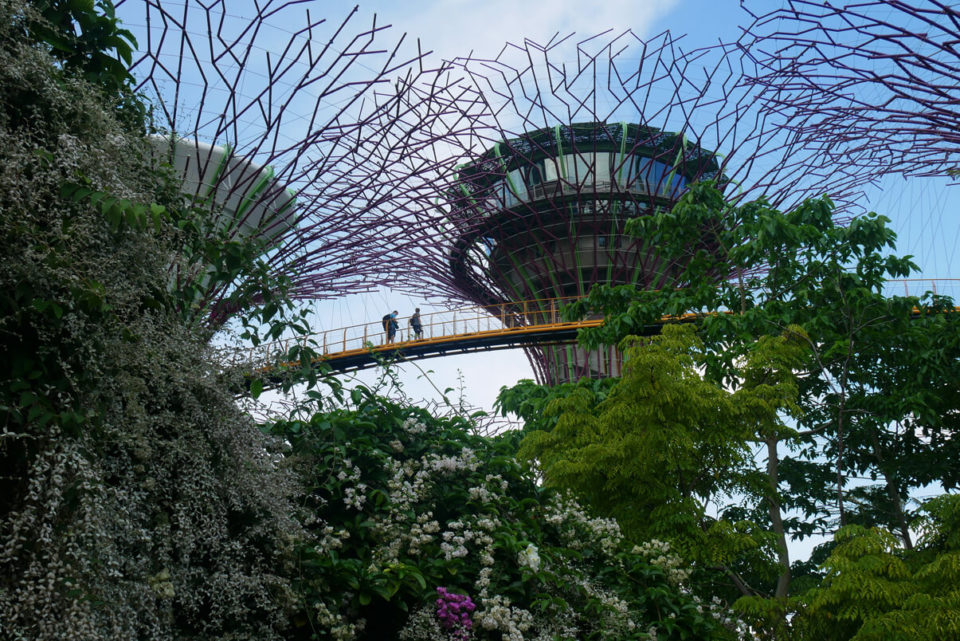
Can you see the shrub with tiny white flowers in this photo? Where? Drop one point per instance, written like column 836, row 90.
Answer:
column 407, row 506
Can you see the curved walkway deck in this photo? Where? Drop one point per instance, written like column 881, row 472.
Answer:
column 471, row 329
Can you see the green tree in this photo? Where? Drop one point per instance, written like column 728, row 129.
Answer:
column 835, row 380
column 875, row 590
column 666, row 443
column 879, row 385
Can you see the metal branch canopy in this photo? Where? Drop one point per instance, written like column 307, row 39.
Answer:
column 561, row 155
column 875, row 83
column 492, row 181
column 273, row 120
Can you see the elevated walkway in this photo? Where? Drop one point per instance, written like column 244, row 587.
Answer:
column 470, row 329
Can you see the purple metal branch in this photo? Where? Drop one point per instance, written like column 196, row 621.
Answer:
column 278, row 87
column 875, row 83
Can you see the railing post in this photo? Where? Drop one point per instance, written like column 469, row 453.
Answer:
column 344, row 340
column 934, row 283
column 364, row 334
column 324, row 342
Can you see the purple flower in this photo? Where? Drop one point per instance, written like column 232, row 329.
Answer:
column 453, row 613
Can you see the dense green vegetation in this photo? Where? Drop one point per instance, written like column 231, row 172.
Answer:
column 402, row 503
column 849, row 396
column 135, row 499
column 138, row 501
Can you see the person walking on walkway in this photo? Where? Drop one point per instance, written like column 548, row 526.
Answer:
column 390, row 325
column 416, row 325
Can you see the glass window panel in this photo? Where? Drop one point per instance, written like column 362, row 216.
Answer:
column 516, row 182
column 551, row 172
column 602, row 167
column 533, row 174
column 583, row 168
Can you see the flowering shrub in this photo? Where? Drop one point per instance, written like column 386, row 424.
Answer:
column 136, row 500
column 401, row 502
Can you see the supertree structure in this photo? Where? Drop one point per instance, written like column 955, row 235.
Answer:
column 557, row 157
column 271, row 116
column 876, row 84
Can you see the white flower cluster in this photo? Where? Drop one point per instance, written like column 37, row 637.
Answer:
column 349, row 472
column 529, row 557
column 354, row 496
column 422, row 532
column 455, row 539
column 480, row 493
column 331, row 539
column 412, row 426
column 422, row 625
column 578, row 529
column 338, row 627
column 496, row 613
column 658, row 553
column 467, row 460
column 410, row 485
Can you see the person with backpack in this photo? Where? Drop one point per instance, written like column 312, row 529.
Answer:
column 390, row 325
column 416, row 325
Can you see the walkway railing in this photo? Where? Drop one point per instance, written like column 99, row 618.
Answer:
column 480, row 322
column 919, row 286
column 490, row 320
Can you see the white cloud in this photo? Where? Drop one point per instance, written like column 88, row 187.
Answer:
column 455, row 27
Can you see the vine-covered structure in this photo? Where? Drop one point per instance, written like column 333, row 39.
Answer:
column 544, row 215
column 555, row 157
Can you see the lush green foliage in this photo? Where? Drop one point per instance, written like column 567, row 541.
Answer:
column 834, row 379
column 84, row 36
column 878, row 387
column 402, row 503
column 666, row 443
column 874, row 590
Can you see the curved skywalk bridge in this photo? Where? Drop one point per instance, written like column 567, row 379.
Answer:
column 457, row 331
column 471, row 329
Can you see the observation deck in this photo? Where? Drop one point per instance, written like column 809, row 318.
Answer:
column 543, row 216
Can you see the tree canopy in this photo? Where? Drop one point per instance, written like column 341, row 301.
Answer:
column 803, row 399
